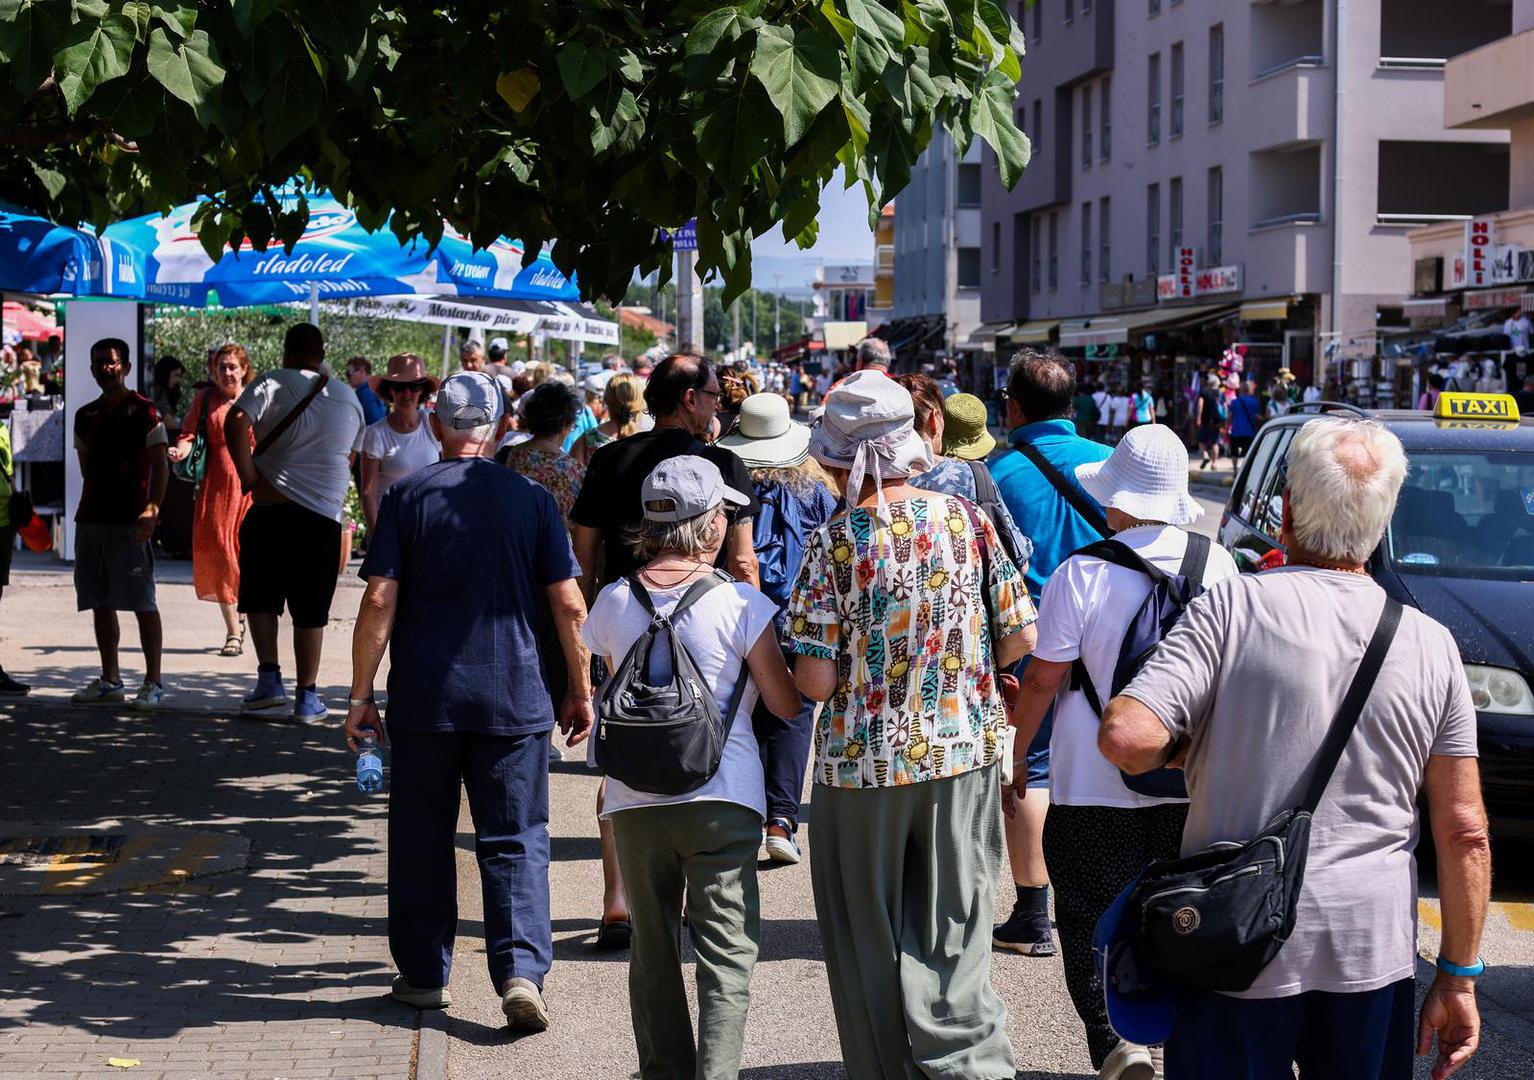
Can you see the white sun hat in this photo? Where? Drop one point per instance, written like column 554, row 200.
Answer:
column 869, row 428
column 768, row 437
column 1146, row 476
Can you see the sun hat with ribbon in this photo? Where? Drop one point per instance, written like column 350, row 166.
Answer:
column 1146, row 476
column 868, row 427
column 767, row 436
column 965, row 435
column 405, row 368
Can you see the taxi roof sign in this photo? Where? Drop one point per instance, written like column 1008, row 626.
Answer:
column 1497, row 408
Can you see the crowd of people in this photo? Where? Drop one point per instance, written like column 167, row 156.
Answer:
column 929, row 627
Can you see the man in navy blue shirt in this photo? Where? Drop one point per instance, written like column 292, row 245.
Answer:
column 467, row 565
column 1040, row 394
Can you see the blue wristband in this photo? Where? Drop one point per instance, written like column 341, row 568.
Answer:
column 1463, row 971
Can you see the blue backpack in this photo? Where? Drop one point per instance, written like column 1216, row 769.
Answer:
column 1169, row 597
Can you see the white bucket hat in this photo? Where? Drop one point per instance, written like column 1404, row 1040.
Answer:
column 1146, row 476
column 868, row 427
column 768, row 437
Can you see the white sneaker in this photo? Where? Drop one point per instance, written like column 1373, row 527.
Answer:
column 99, row 692
column 1128, row 1062
column 150, row 696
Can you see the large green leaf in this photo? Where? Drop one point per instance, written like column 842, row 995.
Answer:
column 737, row 133
column 101, row 52
column 291, row 105
column 132, row 107
column 517, row 88
column 712, row 43
column 249, row 14
column 799, row 71
column 188, row 70
column 615, row 121
column 874, row 18
column 581, row 69
column 990, row 115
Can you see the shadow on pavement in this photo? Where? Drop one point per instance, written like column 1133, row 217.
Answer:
column 296, row 937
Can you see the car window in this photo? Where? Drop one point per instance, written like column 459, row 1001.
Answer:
column 1465, row 514
column 1242, row 499
column 1267, row 500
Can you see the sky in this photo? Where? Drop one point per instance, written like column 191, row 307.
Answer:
column 844, row 238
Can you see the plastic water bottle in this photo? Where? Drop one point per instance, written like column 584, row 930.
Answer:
column 369, row 767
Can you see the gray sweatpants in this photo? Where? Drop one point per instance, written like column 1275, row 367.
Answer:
column 706, row 850
column 905, row 894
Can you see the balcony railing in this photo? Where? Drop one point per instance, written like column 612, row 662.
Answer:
column 1413, row 63
column 1302, row 217
column 1309, row 60
column 1419, row 219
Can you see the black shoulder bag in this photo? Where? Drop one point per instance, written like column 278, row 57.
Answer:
column 1215, row 919
column 1068, row 491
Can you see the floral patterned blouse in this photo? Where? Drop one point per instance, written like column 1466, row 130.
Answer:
column 899, row 607
column 558, row 472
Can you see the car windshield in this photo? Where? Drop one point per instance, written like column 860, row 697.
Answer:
column 1468, row 515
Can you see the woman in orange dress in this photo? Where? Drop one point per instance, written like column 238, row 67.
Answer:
column 220, row 505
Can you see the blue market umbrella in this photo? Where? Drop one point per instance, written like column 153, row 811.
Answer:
column 40, row 256
column 335, row 258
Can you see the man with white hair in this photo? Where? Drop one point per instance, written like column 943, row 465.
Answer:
column 873, row 354
column 472, row 356
column 469, row 701
column 1242, row 692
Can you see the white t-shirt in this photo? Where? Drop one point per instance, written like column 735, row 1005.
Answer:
column 310, row 463
column 1085, row 610
column 399, row 455
column 1517, row 329
column 1120, row 407
column 719, row 631
column 1104, row 402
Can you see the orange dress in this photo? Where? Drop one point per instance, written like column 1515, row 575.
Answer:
column 220, row 508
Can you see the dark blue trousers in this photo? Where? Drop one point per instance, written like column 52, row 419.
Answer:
column 1367, row 1036
column 507, row 778
column 785, row 746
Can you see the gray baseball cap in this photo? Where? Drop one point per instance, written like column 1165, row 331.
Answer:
column 470, row 399
column 681, row 488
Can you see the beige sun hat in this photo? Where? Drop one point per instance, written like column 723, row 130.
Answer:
column 768, row 437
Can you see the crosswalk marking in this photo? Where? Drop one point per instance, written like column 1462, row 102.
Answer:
column 1520, row 916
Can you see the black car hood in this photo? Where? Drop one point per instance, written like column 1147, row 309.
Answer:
column 1492, row 621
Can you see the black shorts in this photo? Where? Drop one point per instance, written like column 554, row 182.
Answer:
column 289, row 555
column 1240, row 444
column 7, row 549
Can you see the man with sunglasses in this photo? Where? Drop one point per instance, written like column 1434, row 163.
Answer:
column 683, row 396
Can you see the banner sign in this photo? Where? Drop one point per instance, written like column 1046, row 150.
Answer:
column 1218, row 279
column 1480, row 239
column 1187, row 271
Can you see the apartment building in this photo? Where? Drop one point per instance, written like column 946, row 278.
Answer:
column 938, row 262
column 1215, row 171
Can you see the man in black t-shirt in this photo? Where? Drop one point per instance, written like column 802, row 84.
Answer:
column 683, row 396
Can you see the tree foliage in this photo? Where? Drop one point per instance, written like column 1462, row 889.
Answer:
column 595, row 124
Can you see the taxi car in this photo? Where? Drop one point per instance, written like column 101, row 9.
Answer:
column 1459, row 547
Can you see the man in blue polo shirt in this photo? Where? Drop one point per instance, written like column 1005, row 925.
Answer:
column 1040, row 392
column 468, row 563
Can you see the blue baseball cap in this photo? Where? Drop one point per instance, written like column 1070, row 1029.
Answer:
column 1140, row 1008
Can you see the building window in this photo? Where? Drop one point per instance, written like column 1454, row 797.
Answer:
column 1216, row 74
column 1070, row 10
column 1174, row 213
column 1105, row 118
column 1153, row 98
column 1177, row 88
column 968, row 177
column 1086, row 7
column 1086, row 127
column 1035, row 253
column 1153, row 229
column 1038, row 127
column 968, row 270
column 995, row 247
column 1103, row 264
column 1154, row 7
column 1038, row 19
column 1054, row 251
column 1086, row 243
column 1216, row 216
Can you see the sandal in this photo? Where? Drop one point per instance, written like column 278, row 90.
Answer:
column 614, row 935
column 234, row 645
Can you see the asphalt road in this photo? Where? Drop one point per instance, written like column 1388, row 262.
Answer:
column 791, row 1034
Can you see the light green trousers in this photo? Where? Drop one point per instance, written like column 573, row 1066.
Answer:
column 707, row 851
column 905, row 894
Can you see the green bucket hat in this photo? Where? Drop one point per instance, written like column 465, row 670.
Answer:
column 965, row 435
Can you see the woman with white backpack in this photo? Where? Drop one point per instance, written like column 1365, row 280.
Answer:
column 690, row 651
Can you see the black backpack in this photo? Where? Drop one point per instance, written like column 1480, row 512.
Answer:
column 1169, row 597
column 988, row 499
column 665, row 740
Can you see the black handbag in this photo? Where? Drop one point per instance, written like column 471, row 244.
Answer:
column 1215, row 919
column 665, row 740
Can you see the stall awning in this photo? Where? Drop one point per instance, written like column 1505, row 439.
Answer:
column 1030, row 333
column 1265, row 310
column 1428, row 307
column 559, row 319
column 1079, row 334
column 986, row 333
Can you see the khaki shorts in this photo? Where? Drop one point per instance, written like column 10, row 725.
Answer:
column 112, row 570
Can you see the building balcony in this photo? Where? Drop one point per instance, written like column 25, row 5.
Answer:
column 1421, row 35
column 1491, row 87
column 1291, row 256
column 1292, row 105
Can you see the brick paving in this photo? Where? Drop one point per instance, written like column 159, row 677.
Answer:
column 277, row 971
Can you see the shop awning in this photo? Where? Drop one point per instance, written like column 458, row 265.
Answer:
column 1528, row 302
column 1265, row 310
column 986, row 333
column 844, row 335
column 1428, row 307
column 1078, row 334
column 1030, row 333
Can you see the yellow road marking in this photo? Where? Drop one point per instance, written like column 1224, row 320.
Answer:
column 1428, row 912
column 84, row 873
column 1520, row 916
